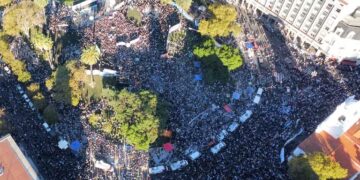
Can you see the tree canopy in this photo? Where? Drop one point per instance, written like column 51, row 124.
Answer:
column 21, row 17
column 90, row 55
column 184, row 4
column 229, row 56
column 18, row 67
column 42, row 45
column 315, row 166
column 135, row 117
column 67, row 83
column 5, row 2
column 222, row 22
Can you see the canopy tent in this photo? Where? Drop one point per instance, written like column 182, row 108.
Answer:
column 236, row 95
column 249, row 91
column 198, row 77
column 168, row 147
column 249, row 45
column 227, row 108
column 63, row 144
column 75, row 145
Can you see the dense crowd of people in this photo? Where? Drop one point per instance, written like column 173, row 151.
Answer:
column 312, row 87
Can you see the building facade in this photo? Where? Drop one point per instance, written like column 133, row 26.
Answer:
column 317, row 23
column 338, row 136
column 13, row 163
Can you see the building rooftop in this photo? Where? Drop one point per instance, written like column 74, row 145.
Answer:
column 13, row 162
column 339, row 136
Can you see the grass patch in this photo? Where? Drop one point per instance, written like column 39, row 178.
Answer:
column 101, row 83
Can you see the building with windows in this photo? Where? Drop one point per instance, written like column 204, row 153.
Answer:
column 339, row 137
column 13, row 163
column 329, row 26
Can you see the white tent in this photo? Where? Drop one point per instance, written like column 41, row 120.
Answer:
column 63, row 144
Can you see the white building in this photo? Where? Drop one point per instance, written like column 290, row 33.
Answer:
column 329, row 26
column 338, row 136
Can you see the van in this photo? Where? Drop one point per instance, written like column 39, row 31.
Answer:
column 245, row 116
column 104, row 166
column 217, row 147
column 260, row 91
column 222, row 135
column 178, row 165
column 257, row 99
column 233, row 126
column 157, row 169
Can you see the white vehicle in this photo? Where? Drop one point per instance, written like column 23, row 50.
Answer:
column 46, row 126
column 217, row 147
column 18, row 87
column 194, row 155
column 233, row 126
column 104, row 166
column 179, row 164
column 157, row 169
column 257, row 99
column 245, row 116
column 222, row 135
column 260, row 91
column 25, row 96
column 7, row 70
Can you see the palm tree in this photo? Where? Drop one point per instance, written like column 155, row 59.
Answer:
column 90, row 56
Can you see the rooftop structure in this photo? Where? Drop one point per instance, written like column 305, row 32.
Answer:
column 13, row 163
column 329, row 26
column 338, row 136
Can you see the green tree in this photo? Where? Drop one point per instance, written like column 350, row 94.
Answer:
column 33, row 88
column 39, row 101
column 222, row 22
column 135, row 118
column 68, row 2
column 68, row 83
column 94, row 120
column 90, row 56
column 5, row 2
column 41, row 3
column 50, row 81
column 17, row 67
column 184, row 4
column 315, row 166
column 214, row 70
column 50, row 114
column 21, row 17
column 43, row 45
column 229, row 56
